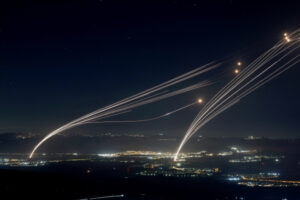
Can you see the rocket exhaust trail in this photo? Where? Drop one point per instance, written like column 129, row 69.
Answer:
column 149, row 119
column 145, row 97
column 263, row 69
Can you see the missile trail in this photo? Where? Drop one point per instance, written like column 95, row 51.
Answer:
column 149, row 119
column 105, row 197
column 263, row 69
column 282, row 56
column 108, row 197
column 151, row 95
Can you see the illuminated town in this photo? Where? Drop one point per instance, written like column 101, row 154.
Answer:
column 150, row 163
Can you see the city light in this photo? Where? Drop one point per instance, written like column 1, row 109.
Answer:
column 107, row 155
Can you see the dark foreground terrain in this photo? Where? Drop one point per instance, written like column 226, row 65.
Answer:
column 73, row 180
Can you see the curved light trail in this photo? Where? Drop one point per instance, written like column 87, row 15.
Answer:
column 263, row 69
column 105, row 197
column 145, row 97
column 266, row 67
column 149, row 119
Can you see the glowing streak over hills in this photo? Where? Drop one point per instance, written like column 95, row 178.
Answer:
column 149, row 119
column 145, row 97
column 269, row 65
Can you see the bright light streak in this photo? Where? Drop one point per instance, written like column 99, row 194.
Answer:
column 266, row 67
column 250, row 78
column 149, row 119
column 108, row 197
column 107, row 155
column 145, row 97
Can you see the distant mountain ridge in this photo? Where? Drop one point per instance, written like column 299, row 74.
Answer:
column 107, row 142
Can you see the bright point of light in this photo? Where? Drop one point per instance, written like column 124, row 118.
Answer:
column 200, row 100
column 178, row 164
column 234, row 148
column 236, row 71
column 239, row 63
column 233, row 178
column 175, row 158
column 106, row 155
column 286, row 37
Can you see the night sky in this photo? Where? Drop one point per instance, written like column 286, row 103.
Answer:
column 61, row 60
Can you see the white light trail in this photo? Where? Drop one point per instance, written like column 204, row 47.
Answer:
column 149, row 119
column 108, row 197
column 266, row 67
column 145, row 97
column 105, row 197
